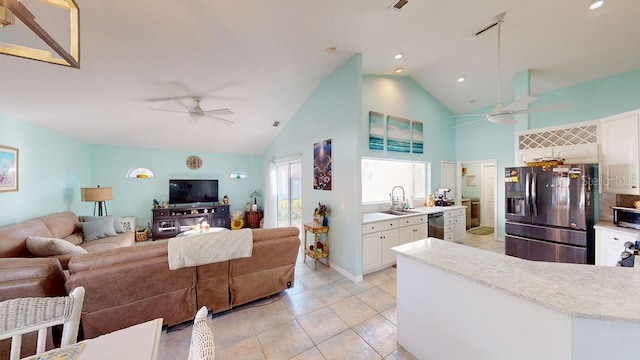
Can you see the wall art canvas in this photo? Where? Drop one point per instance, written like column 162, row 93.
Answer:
column 398, row 134
column 417, row 139
column 376, row 130
column 8, row 169
column 322, row 164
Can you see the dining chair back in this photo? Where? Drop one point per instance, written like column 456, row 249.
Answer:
column 24, row 315
column 202, row 346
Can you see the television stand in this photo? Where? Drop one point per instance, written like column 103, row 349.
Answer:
column 169, row 222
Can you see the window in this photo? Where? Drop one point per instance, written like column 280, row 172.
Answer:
column 380, row 176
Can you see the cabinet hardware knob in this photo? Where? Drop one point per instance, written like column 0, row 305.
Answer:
column 615, row 238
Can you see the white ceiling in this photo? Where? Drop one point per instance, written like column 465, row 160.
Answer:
column 262, row 59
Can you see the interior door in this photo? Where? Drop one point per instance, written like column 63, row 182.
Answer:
column 488, row 195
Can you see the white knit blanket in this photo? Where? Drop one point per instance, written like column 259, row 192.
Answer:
column 209, row 248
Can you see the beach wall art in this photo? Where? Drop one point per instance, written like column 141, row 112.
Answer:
column 396, row 134
column 376, row 130
column 8, row 169
column 322, row 164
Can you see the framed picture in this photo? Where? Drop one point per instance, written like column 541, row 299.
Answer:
column 376, row 131
column 398, row 134
column 8, row 169
column 471, row 180
column 322, row 164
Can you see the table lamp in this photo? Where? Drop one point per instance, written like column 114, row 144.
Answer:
column 99, row 195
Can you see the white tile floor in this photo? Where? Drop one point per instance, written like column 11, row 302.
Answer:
column 325, row 316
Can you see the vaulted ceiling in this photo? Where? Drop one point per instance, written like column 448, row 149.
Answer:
column 261, row 59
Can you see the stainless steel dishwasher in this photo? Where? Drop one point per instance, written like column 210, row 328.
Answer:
column 436, row 225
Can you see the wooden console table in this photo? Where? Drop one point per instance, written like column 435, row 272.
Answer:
column 316, row 230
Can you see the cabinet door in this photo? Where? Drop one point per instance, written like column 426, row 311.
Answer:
column 529, row 155
column 405, row 235
column 371, row 247
column 389, row 240
column 619, row 155
column 460, row 227
column 419, row 232
column 609, row 246
column 577, row 154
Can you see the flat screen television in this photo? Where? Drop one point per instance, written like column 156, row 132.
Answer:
column 183, row 191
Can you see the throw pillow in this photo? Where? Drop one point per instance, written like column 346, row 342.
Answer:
column 98, row 229
column 117, row 224
column 44, row 246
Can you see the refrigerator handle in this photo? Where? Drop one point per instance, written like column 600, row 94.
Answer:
column 534, row 197
column 527, row 194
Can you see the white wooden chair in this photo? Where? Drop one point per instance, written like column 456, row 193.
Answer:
column 24, row 315
column 202, row 346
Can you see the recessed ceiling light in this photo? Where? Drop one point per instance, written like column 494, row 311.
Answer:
column 398, row 56
column 398, row 70
column 462, row 78
column 472, row 101
column 332, row 49
column 595, row 4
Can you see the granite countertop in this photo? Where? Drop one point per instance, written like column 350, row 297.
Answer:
column 608, row 225
column 584, row 291
column 380, row 216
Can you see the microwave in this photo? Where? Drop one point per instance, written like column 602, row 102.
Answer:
column 626, row 217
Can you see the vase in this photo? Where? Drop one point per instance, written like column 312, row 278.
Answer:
column 325, row 221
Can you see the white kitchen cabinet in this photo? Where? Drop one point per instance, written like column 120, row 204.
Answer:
column 455, row 224
column 572, row 154
column 619, row 153
column 412, row 228
column 377, row 240
column 610, row 244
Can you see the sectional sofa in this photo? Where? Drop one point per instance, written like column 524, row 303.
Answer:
column 128, row 285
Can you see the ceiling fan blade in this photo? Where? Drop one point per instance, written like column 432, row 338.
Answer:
column 543, row 108
column 228, row 122
column 178, row 111
column 519, row 103
column 468, row 123
column 224, row 111
column 179, row 102
column 469, row 115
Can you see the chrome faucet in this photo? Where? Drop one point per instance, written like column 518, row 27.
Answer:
column 394, row 200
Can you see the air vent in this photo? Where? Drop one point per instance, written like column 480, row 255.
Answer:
column 276, row 123
column 398, row 4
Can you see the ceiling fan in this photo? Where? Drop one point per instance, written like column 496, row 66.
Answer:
column 504, row 114
column 196, row 112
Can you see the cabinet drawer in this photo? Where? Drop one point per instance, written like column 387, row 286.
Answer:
column 379, row 226
column 448, row 220
column 412, row 220
column 450, row 236
column 456, row 212
column 617, row 236
column 449, row 228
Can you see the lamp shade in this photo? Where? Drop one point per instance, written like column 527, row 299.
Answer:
column 96, row 194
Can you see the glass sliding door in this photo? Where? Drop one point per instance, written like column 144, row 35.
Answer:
column 289, row 195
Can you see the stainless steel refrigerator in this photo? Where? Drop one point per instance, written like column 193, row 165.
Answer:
column 549, row 213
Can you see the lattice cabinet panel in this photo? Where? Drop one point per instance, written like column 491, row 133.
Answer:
column 560, row 137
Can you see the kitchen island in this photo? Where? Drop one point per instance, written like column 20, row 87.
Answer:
column 458, row 302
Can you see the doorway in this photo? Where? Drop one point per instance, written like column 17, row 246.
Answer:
column 289, row 194
column 477, row 184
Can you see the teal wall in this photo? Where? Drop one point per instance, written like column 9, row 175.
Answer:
column 332, row 111
column 135, row 196
column 52, row 168
column 403, row 97
column 590, row 100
